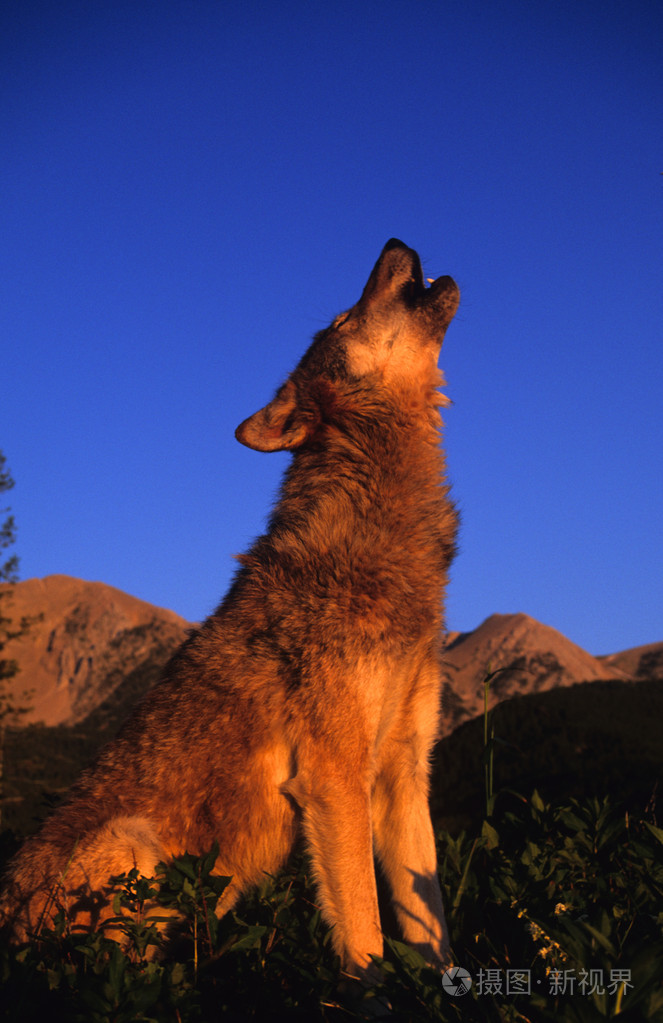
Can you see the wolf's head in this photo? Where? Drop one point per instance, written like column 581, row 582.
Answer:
column 391, row 339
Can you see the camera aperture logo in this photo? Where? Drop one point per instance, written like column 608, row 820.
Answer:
column 456, row 981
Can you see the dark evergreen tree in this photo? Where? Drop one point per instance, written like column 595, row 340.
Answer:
column 11, row 707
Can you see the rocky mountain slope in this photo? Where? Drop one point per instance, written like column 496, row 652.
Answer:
column 640, row 662
column 84, row 640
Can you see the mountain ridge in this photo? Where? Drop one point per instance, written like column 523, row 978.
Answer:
column 88, row 637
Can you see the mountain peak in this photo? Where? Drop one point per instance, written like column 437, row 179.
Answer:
column 85, row 637
column 528, row 656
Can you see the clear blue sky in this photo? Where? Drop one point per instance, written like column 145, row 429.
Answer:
column 189, row 190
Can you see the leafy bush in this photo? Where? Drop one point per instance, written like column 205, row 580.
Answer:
column 554, row 907
column 564, row 902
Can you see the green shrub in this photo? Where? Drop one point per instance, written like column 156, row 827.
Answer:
column 552, row 897
column 554, row 907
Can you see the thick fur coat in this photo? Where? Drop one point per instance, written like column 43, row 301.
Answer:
column 307, row 704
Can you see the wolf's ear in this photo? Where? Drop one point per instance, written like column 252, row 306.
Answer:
column 278, row 426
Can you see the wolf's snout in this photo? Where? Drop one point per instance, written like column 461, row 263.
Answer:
column 441, row 286
column 445, row 294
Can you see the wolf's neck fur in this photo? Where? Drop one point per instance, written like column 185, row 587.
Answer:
column 365, row 511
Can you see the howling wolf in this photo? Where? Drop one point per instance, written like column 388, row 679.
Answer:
column 307, row 704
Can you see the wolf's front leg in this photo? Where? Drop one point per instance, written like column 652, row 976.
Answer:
column 336, row 808
column 405, row 847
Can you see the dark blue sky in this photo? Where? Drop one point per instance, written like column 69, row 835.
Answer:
column 189, row 190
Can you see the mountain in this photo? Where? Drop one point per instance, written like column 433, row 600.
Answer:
column 88, row 639
column 640, row 662
column 93, row 651
column 527, row 656
column 85, row 639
